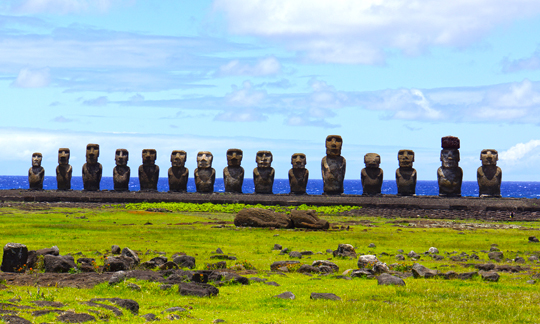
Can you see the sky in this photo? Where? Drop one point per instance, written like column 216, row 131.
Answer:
column 278, row 75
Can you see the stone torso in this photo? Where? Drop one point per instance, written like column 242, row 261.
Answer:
column 35, row 178
column 406, row 181
column 204, row 179
column 372, row 179
column 63, row 176
column 489, row 180
column 333, row 174
column 263, row 178
column 148, row 177
column 450, row 181
column 91, row 176
column 233, row 179
column 121, row 175
column 178, row 178
column 298, row 179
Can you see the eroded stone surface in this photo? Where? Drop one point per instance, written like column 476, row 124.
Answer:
column 333, row 166
column 121, row 172
column 450, row 175
column 258, row 217
column 489, row 175
column 308, row 219
column 205, row 175
column 36, row 173
column 298, row 174
column 178, row 174
column 406, row 174
column 148, row 171
column 63, row 170
column 372, row 175
column 263, row 174
column 233, row 173
column 92, row 169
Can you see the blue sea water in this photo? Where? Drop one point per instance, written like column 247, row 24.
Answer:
column 517, row 189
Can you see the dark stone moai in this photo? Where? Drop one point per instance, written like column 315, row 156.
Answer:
column 333, row 166
column 36, row 173
column 450, row 175
column 298, row 174
column 406, row 174
column 233, row 173
column 205, row 175
column 489, row 175
column 178, row 173
column 92, row 170
column 63, row 170
column 372, row 175
column 121, row 172
column 263, row 174
column 148, row 171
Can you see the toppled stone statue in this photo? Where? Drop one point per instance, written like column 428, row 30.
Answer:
column 121, row 172
column 63, row 170
column 333, row 166
column 92, row 169
column 450, row 175
column 298, row 174
column 178, row 173
column 258, row 217
column 308, row 219
column 406, row 174
column 148, row 171
column 36, row 173
column 372, row 175
column 205, row 175
column 489, row 175
column 263, row 174
column 233, row 173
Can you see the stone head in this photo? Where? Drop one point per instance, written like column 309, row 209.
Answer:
column 234, row 157
column 121, row 157
column 36, row 159
column 92, row 153
column 405, row 158
column 204, row 160
column 178, row 158
column 372, row 160
column 63, row 156
column 298, row 161
column 489, row 157
column 333, row 145
column 149, row 156
column 449, row 158
column 264, row 159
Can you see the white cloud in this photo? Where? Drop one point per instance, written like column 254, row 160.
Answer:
column 246, row 96
column 264, row 67
column 528, row 63
column 352, row 31
column 32, row 78
column 520, row 151
column 99, row 101
column 63, row 6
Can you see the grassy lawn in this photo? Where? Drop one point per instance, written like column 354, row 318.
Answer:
column 199, row 234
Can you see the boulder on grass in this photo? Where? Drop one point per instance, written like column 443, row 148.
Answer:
column 308, row 219
column 197, row 289
column 58, row 264
column 258, row 217
column 15, row 256
column 345, row 250
column 185, row 261
column 389, row 280
column 367, row 260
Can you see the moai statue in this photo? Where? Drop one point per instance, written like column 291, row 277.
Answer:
column 233, row 173
column 298, row 175
column 148, row 171
column 333, row 166
column 371, row 175
column 263, row 174
column 178, row 173
column 205, row 175
column 406, row 174
column 121, row 171
column 450, row 175
column 63, row 170
column 36, row 173
column 92, row 170
column 489, row 175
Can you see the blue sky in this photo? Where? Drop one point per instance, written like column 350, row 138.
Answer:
column 271, row 75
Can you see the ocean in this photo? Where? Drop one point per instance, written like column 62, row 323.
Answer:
column 517, row 189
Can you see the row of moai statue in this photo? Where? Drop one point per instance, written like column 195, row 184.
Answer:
column 333, row 166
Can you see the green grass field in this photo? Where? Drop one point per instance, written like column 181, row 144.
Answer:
column 199, row 234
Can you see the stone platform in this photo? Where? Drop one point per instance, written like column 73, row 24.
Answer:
column 378, row 202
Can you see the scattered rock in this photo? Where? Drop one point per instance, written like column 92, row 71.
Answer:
column 14, row 319
column 133, row 286
column 328, row 296
column 176, row 309
column 490, row 276
column 344, row 250
column 197, row 289
column 150, row 317
column 117, row 277
column 115, row 249
column 71, row 317
column 380, row 267
column 324, row 263
column 272, row 283
column 185, row 261
column 400, row 257
column 115, row 310
column 372, row 245
column 495, row 255
column 467, row 275
column 58, row 264
column 365, row 260
column 286, row 295
column 128, row 253
column 413, row 255
column 433, row 250
column 168, row 266
column 46, row 303
column 533, row 258
column 306, row 268
column 295, row 254
column 113, row 264
column 533, row 239
column 389, row 280
column 277, row 247
column 530, row 282
column 362, row 273
column 128, row 304
column 278, row 264
column 419, row 271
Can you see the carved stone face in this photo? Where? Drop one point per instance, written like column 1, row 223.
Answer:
column 333, row 145
column 298, row 161
column 372, row 160
column 489, row 157
column 204, row 160
column 63, row 156
column 234, row 157
column 92, row 153
column 121, row 157
column 449, row 158
column 264, row 159
column 149, row 156
column 178, row 158
column 36, row 159
column 405, row 158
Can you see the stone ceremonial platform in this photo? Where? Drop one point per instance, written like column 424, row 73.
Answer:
column 377, row 202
